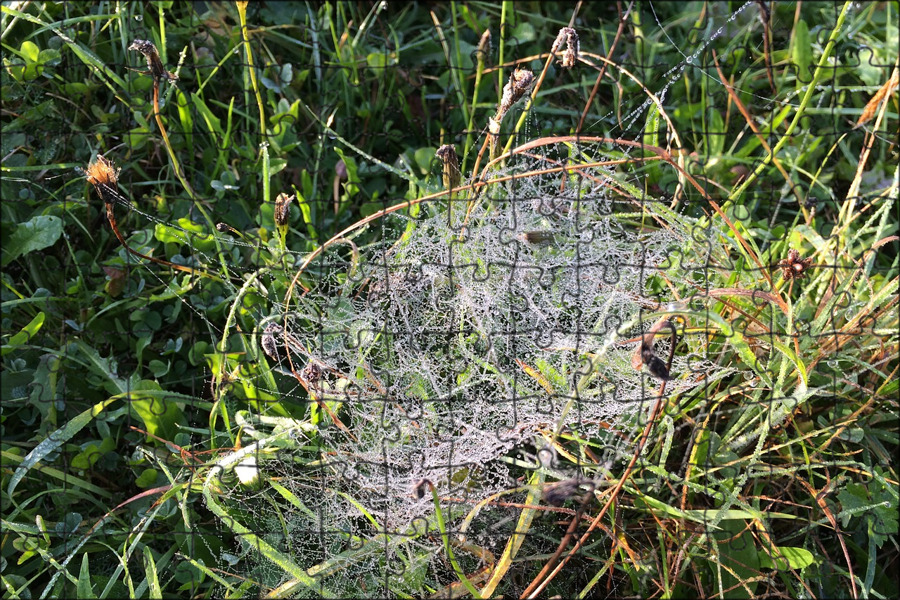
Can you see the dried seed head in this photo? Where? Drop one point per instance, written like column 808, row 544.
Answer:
column 484, row 47
column 520, row 81
column 282, row 209
column 573, row 46
column 447, row 154
column 312, row 374
column 104, row 176
column 154, row 63
column 794, row 267
column 269, row 342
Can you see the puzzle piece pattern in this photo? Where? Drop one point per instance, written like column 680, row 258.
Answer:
column 534, row 242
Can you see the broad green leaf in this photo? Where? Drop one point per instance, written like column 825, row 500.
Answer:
column 736, row 551
column 157, row 408
column 36, row 234
column 785, row 557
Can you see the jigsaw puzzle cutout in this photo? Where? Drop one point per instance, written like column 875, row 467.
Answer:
column 513, row 297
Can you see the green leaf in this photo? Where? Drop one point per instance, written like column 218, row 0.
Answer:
column 801, row 52
column 55, row 440
column 30, row 51
column 736, row 551
column 212, row 122
column 157, row 408
column 146, row 479
column 24, row 336
column 786, row 557
column 84, row 588
column 36, row 234
column 152, row 576
column 523, row 32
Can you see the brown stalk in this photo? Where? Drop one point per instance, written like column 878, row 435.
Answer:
column 820, row 500
column 612, row 49
column 762, row 139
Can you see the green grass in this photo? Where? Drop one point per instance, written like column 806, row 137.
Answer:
column 134, row 393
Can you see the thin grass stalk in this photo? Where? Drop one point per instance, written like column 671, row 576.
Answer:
column 251, row 68
column 807, row 97
column 448, row 548
column 612, row 49
column 481, row 54
column 454, row 71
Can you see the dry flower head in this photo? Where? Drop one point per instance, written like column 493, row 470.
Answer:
column 520, row 81
column 794, row 267
column 282, row 209
column 484, row 46
column 450, row 161
column 104, row 176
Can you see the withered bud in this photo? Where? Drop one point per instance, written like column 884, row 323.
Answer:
column 538, row 238
column 104, row 176
column 655, row 365
column 450, row 161
column 555, row 494
column 154, row 63
column 282, row 209
column 645, row 354
column 340, row 169
column 419, row 487
column 222, row 227
column 484, row 47
column 794, row 267
column 312, row 374
column 269, row 342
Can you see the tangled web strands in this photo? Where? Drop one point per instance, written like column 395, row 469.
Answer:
column 420, row 345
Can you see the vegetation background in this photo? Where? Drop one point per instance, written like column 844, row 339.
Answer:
column 116, row 374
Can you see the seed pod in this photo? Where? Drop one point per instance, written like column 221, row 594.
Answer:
column 282, row 209
column 447, row 154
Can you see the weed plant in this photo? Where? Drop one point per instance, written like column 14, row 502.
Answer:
column 517, row 299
